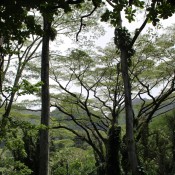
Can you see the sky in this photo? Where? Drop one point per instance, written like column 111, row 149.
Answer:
column 109, row 35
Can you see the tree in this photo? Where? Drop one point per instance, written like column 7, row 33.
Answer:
column 68, row 156
column 17, row 25
column 48, row 11
column 45, row 112
column 99, row 102
column 26, row 87
column 102, row 113
column 125, row 44
column 13, row 83
column 19, row 146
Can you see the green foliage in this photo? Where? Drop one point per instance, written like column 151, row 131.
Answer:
column 72, row 160
column 22, row 137
column 67, row 157
column 18, row 25
column 24, row 88
column 158, row 9
column 156, row 146
column 123, row 40
column 27, row 88
column 106, row 15
column 130, row 13
column 18, row 148
column 11, row 167
column 19, row 21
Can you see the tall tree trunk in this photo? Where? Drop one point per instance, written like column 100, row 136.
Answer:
column 171, row 126
column 129, row 112
column 100, row 168
column 112, row 151
column 123, row 42
column 45, row 98
column 144, row 140
column 5, row 116
column 1, row 64
column 173, row 151
column 100, row 164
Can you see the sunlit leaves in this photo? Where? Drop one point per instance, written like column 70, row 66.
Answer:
column 119, row 6
column 139, row 3
column 27, row 88
column 14, row 151
column 160, row 9
column 106, row 15
column 154, row 59
column 130, row 14
column 154, row 10
column 16, row 23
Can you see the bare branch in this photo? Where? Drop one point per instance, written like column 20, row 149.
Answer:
column 138, row 32
column 81, row 21
column 110, row 3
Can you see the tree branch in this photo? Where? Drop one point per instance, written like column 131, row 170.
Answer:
column 138, row 32
column 81, row 21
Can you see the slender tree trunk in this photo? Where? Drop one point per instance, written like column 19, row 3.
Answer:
column 123, row 42
column 112, row 151
column 124, row 156
column 100, row 169
column 171, row 126
column 100, row 164
column 129, row 113
column 6, row 114
column 45, row 98
column 144, row 140
column 173, row 151
column 1, row 64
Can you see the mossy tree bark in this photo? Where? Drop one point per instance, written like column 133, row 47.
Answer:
column 112, row 151
column 129, row 113
column 123, row 42
column 45, row 98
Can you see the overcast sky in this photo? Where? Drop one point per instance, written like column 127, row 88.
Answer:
column 131, row 27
